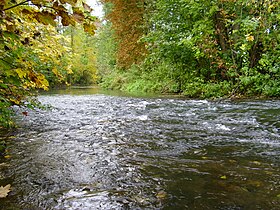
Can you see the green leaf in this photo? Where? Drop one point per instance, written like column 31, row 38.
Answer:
column 223, row 177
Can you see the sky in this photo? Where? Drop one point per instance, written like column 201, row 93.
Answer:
column 97, row 7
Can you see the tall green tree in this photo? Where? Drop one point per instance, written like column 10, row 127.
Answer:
column 105, row 44
column 209, row 48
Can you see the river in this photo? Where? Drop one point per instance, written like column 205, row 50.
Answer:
column 94, row 150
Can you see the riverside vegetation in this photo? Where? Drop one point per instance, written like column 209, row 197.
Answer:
column 40, row 47
column 205, row 49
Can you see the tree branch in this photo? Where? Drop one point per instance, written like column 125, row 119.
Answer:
column 22, row 3
column 16, row 5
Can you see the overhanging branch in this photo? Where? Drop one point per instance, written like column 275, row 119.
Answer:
column 16, row 5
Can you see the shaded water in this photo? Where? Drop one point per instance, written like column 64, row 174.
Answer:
column 98, row 151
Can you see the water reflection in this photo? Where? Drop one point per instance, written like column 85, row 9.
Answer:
column 98, row 151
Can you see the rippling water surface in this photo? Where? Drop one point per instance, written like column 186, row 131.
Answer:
column 98, row 151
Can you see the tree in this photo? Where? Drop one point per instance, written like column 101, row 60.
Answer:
column 83, row 56
column 105, row 45
column 31, row 48
column 213, row 48
column 127, row 21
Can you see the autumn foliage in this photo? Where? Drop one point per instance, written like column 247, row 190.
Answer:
column 128, row 24
column 32, row 49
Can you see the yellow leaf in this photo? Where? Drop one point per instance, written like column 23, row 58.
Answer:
column 161, row 194
column 90, row 28
column 41, row 82
column 250, row 38
column 257, row 163
column 55, row 71
column 4, row 191
column 7, row 156
column 20, row 73
column 15, row 101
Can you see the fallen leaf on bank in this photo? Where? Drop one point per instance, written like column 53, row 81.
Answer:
column 256, row 163
column 4, row 191
column 4, row 165
column 161, row 195
column 7, row 156
column 223, row 177
column 25, row 113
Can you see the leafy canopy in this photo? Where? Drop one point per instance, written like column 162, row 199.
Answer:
column 33, row 49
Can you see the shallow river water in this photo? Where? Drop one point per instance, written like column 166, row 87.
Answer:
column 98, row 151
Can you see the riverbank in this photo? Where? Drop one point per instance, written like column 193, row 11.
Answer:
column 192, row 93
column 124, row 91
column 196, row 87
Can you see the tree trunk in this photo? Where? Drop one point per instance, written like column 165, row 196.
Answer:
column 221, row 31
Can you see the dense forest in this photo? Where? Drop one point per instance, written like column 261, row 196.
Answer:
column 200, row 49
column 205, row 49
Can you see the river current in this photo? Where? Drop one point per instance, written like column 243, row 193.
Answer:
column 92, row 150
